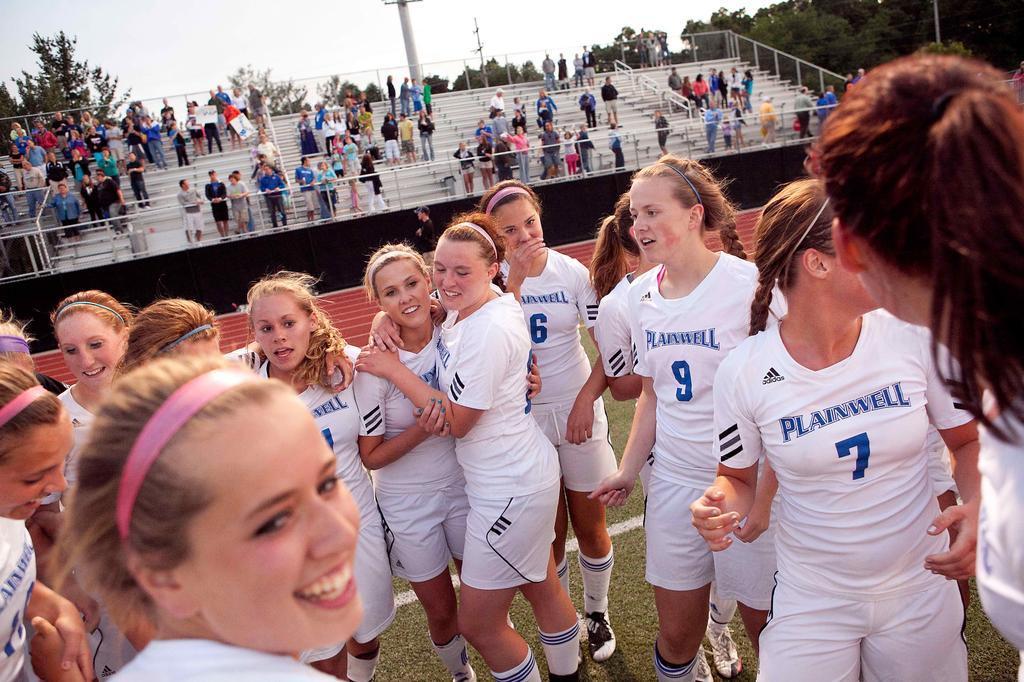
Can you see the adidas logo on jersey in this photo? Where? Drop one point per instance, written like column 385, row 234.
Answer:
column 645, row 297
column 107, row 672
column 772, row 376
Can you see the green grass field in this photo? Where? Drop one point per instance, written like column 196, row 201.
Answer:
column 406, row 654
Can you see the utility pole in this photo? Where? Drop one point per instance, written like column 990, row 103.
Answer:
column 938, row 34
column 480, row 51
column 407, row 36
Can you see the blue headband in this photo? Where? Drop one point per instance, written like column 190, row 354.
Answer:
column 185, row 337
column 683, row 176
column 97, row 305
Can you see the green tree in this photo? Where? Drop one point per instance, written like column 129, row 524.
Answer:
column 281, row 97
column 373, row 92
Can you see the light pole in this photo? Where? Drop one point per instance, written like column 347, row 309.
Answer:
column 407, row 35
column 938, row 34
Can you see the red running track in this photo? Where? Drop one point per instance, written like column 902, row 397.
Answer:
column 352, row 313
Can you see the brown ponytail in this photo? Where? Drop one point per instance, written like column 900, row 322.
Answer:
column 783, row 232
column 719, row 213
column 615, row 250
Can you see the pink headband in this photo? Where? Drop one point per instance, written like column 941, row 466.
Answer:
column 20, row 402
column 180, row 407
column 483, row 233
column 501, row 194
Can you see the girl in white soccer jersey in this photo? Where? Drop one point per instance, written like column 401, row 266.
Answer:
column 208, row 505
column 35, row 438
column 934, row 226
column 511, row 469
column 617, row 262
column 555, row 294
column 421, row 491
column 684, row 320
column 295, row 335
column 838, row 400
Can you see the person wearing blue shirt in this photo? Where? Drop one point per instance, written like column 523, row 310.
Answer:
column 544, row 98
column 416, row 90
column 67, row 208
column 35, row 154
column 271, row 185
column 325, row 179
column 156, row 145
column 712, row 117
column 304, row 177
column 404, row 95
column 321, row 113
column 826, row 103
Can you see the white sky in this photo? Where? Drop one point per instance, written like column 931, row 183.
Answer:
column 159, row 48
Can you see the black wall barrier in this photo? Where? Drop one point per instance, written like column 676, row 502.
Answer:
column 219, row 276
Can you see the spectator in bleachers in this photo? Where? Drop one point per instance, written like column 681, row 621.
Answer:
column 615, row 144
column 416, row 91
column 87, row 189
column 550, row 151
column 826, row 103
column 712, row 119
column 257, row 105
column 135, row 139
column 269, row 150
column 328, row 196
column 727, row 127
column 192, row 217
column 95, row 143
column 802, row 104
column 34, row 181
column 179, row 143
column 544, row 116
column 74, row 143
column 572, row 157
column 675, row 83
column 371, row 181
column 563, row 73
column 404, row 97
column 115, row 143
column 271, row 186
column 67, row 209
column 713, row 81
column 211, row 131
column 319, row 116
column 8, row 211
column 735, row 84
column 43, row 138
column 365, row 103
column 195, row 130
column 351, row 151
column 497, row 102
column 238, row 198
column 499, row 124
column 35, row 154
column 768, row 120
column 18, row 136
column 577, row 76
column 405, row 136
column 723, row 89
column 79, row 165
column 485, row 155
column 661, row 128
column 365, row 118
column 701, row 91
column 336, row 126
column 426, row 128
column 136, row 173
column 586, row 147
column 110, row 198
column 588, row 105
column 521, row 145
column 351, row 123
column 154, row 142
column 166, row 114
column 56, row 171
column 109, row 167
column 428, row 98
column 17, row 159
column 738, row 122
column 544, row 99
column 391, row 94
column 518, row 119
column 548, row 67
column 589, row 66
column 305, row 178
column 483, row 128
column 467, row 166
column 307, row 140
column 389, row 131
column 217, row 194
column 503, row 157
column 517, row 105
column 610, row 96
column 240, row 101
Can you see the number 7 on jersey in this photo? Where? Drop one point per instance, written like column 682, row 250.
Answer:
column 861, row 443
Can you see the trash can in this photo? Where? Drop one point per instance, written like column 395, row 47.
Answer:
column 448, row 183
column 137, row 240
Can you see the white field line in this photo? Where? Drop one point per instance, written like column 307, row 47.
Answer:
column 408, row 597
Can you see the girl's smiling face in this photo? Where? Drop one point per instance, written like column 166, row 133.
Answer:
column 91, row 347
column 461, row 275
column 403, row 293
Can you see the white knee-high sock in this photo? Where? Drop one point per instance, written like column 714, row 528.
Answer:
column 527, row 671
column 720, row 611
column 455, row 657
column 362, row 669
column 563, row 575
column 673, row 672
column 562, row 650
column 597, row 575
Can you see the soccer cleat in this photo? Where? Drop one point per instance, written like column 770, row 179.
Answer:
column 463, row 677
column 723, row 651
column 702, row 671
column 600, row 637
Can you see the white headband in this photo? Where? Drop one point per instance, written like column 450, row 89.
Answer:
column 482, row 232
column 384, row 259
